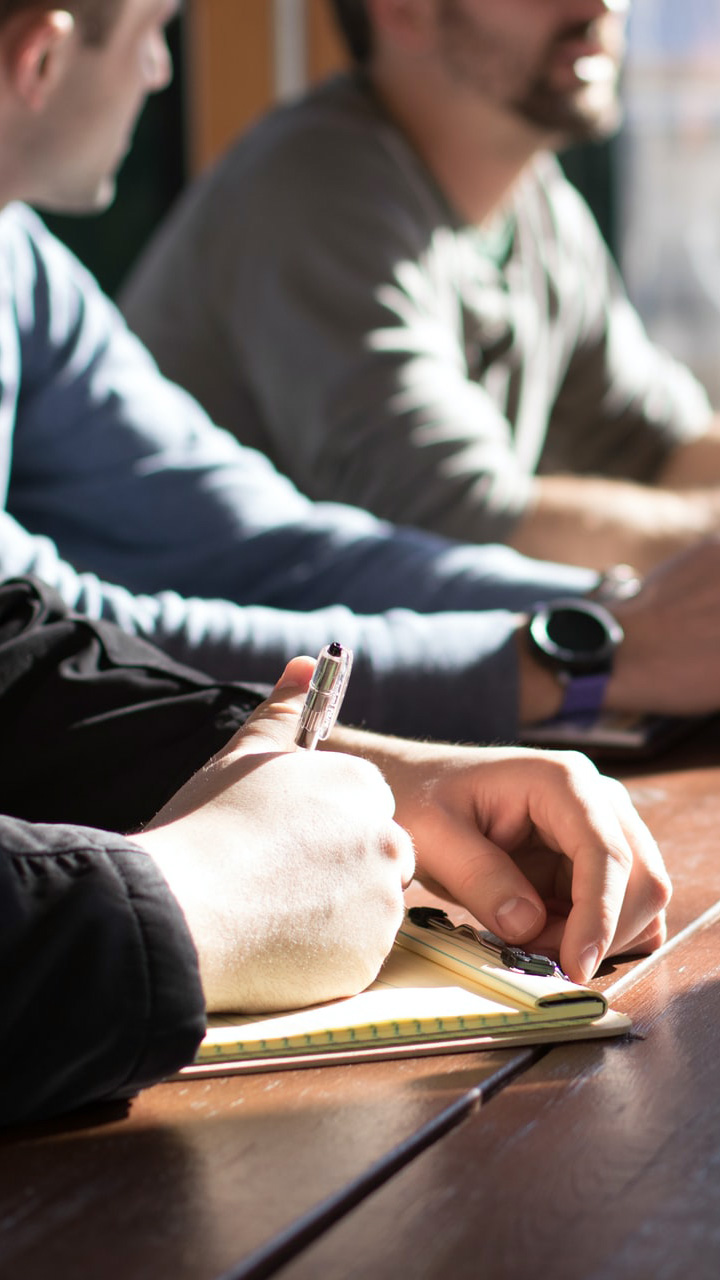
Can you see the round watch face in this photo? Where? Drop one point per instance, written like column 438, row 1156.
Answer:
column 576, row 635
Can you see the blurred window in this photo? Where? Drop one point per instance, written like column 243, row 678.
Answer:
column 668, row 182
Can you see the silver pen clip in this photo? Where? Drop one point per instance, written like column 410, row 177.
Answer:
column 324, row 697
column 510, row 957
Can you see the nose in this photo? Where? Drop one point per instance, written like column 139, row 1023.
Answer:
column 157, row 64
column 590, row 10
column 584, row 12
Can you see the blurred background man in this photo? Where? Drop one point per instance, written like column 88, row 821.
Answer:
column 392, row 290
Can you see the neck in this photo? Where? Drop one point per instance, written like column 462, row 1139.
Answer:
column 475, row 152
column 14, row 181
column 11, row 180
column 17, row 149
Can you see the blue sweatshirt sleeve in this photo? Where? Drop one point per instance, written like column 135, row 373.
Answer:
column 118, row 477
column 451, row 675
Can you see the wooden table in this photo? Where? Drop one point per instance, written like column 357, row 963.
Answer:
column 578, row 1162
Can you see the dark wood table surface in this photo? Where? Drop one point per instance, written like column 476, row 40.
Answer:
column 584, row 1160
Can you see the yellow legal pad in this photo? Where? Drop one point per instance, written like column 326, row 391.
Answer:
column 433, row 995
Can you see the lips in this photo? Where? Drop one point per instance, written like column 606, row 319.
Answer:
column 591, row 58
column 568, row 52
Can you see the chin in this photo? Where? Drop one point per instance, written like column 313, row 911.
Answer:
column 77, row 202
column 105, row 198
column 588, row 117
column 101, row 198
column 596, row 126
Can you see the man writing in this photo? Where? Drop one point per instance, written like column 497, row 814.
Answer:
column 457, row 350
column 273, row 877
column 112, row 945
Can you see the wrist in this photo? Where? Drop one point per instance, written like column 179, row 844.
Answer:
column 540, row 693
column 575, row 640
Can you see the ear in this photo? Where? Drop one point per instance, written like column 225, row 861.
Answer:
column 411, row 24
column 34, row 51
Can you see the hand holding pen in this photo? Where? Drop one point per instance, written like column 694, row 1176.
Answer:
column 287, row 864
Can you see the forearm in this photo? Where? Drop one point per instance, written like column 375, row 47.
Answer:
column 695, row 464
column 409, row 767
column 600, row 522
column 447, row 675
column 100, row 988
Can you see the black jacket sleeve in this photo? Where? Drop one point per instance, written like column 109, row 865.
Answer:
column 100, row 992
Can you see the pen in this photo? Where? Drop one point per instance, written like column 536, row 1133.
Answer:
column 324, row 697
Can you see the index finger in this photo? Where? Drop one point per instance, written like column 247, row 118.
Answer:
column 601, row 873
column 619, row 884
column 649, row 889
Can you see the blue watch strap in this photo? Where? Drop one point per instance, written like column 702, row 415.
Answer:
column 584, row 694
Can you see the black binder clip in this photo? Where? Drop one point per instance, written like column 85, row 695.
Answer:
column 511, row 957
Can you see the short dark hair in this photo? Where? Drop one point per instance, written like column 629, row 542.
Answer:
column 96, row 18
column 354, row 22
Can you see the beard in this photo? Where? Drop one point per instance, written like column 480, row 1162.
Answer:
column 589, row 114
column 484, row 60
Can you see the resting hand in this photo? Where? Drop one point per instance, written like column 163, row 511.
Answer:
column 668, row 662
column 287, row 864
column 539, row 846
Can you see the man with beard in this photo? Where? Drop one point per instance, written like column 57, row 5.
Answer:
column 390, row 288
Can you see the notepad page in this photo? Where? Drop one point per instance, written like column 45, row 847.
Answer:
column 412, row 1000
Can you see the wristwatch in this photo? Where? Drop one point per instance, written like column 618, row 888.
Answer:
column 578, row 639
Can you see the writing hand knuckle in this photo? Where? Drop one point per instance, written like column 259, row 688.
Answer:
column 621, row 855
column 659, row 892
column 573, row 770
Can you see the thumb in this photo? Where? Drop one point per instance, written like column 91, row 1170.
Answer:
column 487, row 881
column 270, row 728
column 273, row 725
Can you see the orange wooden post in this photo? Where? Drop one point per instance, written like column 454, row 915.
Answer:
column 326, row 52
column 230, row 66
column 229, row 72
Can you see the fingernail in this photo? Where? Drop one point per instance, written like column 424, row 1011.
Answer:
column 517, row 916
column 589, row 962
